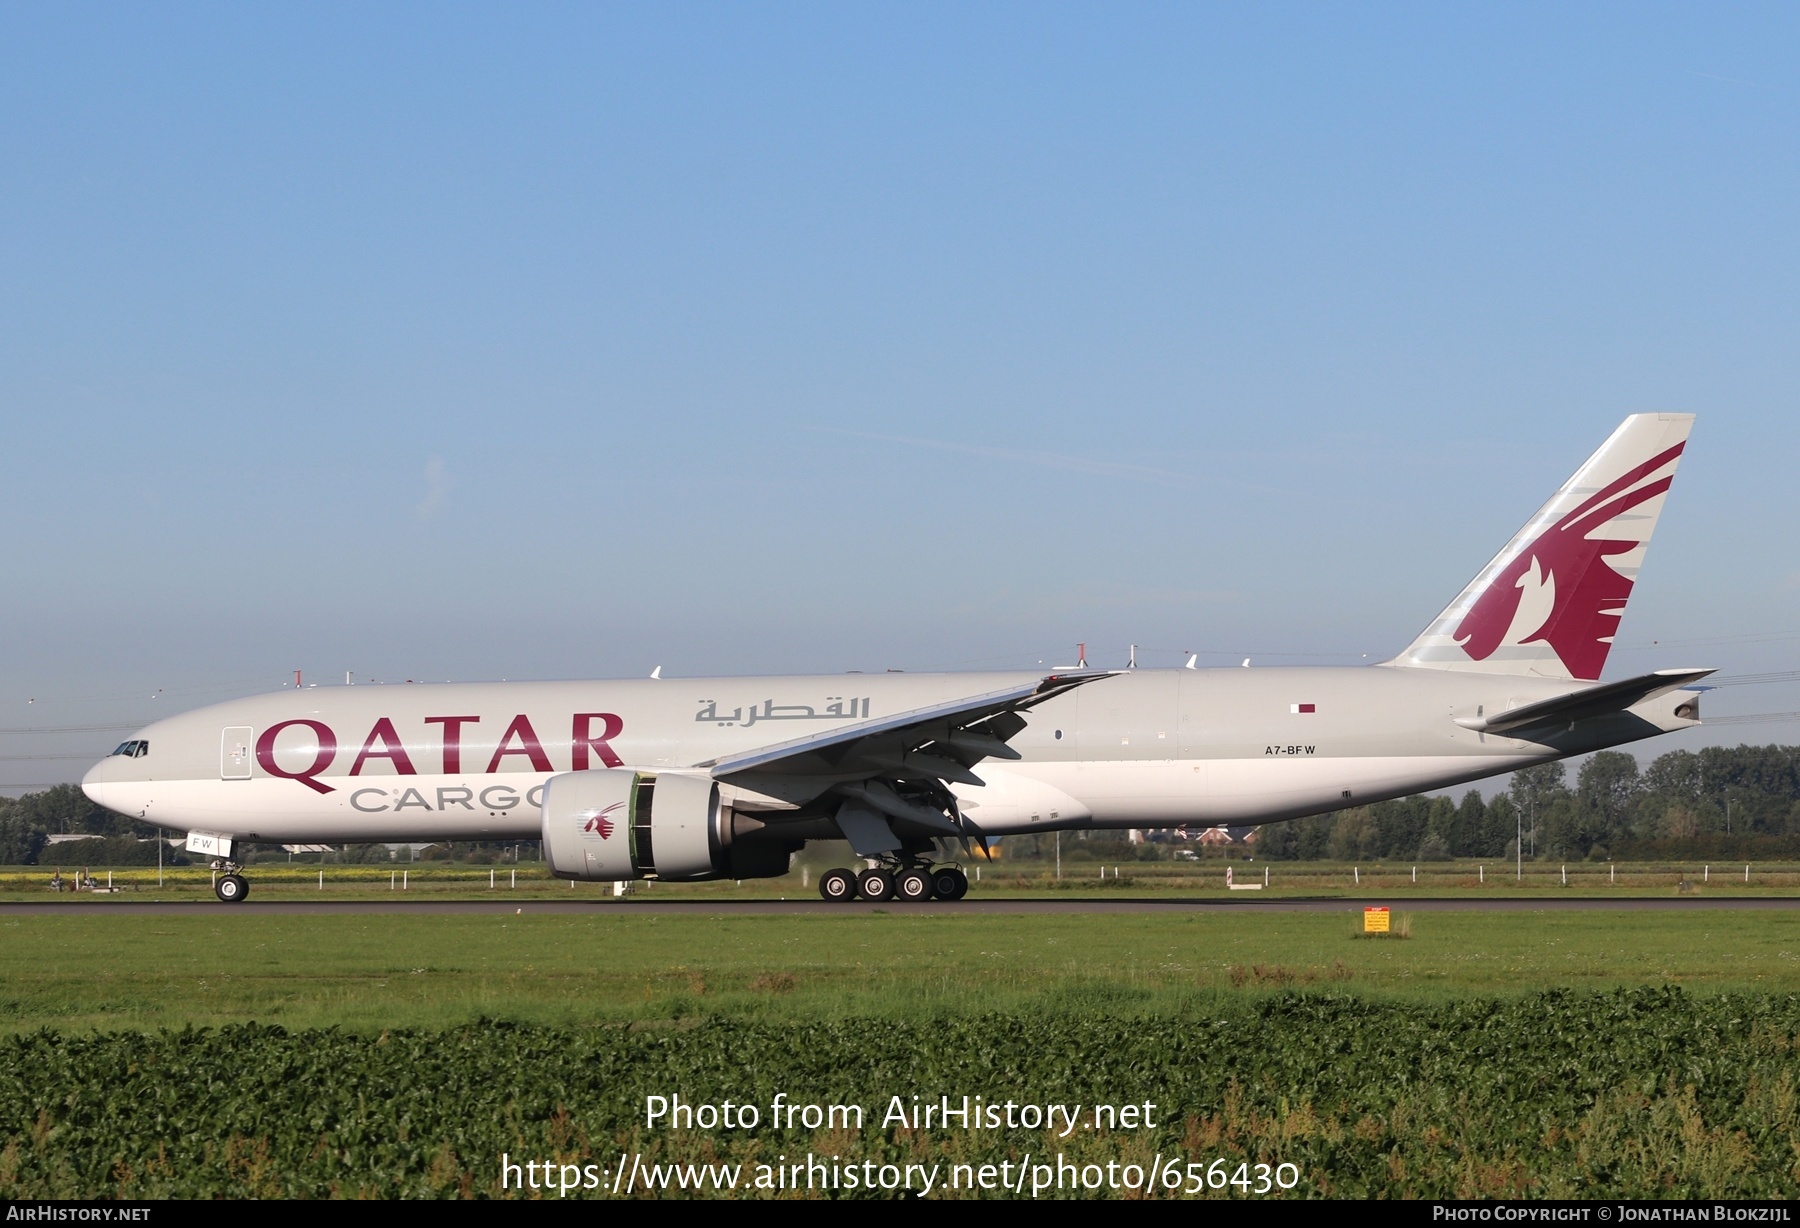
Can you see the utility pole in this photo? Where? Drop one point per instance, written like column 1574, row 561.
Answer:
column 1059, row 856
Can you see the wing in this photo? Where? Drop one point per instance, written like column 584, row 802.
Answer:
column 892, row 775
column 963, row 731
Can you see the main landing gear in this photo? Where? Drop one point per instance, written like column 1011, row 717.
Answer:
column 913, row 883
column 231, row 887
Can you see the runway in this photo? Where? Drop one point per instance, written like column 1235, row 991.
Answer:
column 937, row 908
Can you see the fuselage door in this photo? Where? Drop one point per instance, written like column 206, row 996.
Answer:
column 234, row 752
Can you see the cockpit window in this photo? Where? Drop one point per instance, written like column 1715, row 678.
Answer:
column 133, row 750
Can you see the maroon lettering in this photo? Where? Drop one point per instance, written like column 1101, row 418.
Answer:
column 529, row 746
column 265, row 754
column 584, row 740
column 452, row 739
column 393, row 750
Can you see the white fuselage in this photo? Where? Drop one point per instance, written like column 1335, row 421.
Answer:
column 1148, row 748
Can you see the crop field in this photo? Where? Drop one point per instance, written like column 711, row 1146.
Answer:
column 1560, row 1053
column 1641, row 1093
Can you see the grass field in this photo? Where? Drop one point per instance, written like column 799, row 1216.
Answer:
column 367, row 973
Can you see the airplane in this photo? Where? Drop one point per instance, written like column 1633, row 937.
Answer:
column 710, row 778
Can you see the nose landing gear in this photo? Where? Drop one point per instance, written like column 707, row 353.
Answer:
column 231, row 887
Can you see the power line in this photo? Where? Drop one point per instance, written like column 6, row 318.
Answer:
column 240, row 687
column 1783, row 675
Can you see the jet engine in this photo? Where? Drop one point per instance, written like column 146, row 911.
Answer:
column 616, row 823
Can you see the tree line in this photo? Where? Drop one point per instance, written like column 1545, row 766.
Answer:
column 1719, row 801
column 28, row 822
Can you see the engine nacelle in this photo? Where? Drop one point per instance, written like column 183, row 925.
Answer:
column 617, row 823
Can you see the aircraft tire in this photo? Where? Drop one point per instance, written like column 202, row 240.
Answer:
column 838, row 886
column 950, row 883
column 231, row 889
column 875, row 886
column 914, row 886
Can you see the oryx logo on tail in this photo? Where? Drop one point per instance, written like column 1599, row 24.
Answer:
column 1550, row 603
column 1561, row 590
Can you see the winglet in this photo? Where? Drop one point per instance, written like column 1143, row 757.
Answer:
column 1056, row 684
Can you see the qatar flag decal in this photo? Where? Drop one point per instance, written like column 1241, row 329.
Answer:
column 1303, row 708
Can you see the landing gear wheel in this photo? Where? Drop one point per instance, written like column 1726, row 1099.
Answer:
column 838, row 886
column 950, row 883
column 875, row 885
column 914, row 885
column 231, row 889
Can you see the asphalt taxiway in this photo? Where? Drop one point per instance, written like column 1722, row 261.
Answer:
column 815, row 907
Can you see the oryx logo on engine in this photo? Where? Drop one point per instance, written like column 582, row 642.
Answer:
column 600, row 822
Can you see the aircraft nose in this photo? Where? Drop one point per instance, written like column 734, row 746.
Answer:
column 95, row 782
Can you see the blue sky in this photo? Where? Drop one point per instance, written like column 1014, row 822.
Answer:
column 475, row 342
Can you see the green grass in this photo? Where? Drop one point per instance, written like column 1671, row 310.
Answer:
column 366, row 973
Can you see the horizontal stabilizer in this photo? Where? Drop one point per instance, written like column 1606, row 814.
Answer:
column 1594, row 701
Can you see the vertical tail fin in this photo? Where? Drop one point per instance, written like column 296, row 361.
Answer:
column 1549, row 603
